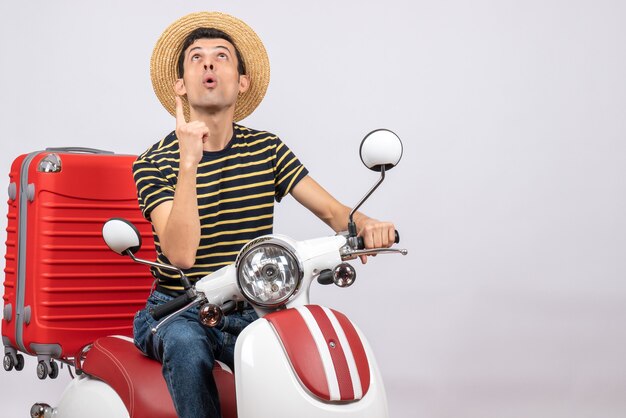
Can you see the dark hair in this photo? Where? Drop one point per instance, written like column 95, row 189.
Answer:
column 208, row 33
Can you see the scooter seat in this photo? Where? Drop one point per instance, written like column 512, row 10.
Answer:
column 138, row 380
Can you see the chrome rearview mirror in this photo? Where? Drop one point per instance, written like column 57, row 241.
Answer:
column 380, row 149
column 124, row 238
column 121, row 236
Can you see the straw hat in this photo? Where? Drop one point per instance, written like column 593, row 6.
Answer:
column 167, row 49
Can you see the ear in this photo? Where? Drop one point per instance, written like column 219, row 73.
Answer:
column 179, row 87
column 244, row 83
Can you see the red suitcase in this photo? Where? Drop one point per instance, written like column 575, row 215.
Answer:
column 63, row 287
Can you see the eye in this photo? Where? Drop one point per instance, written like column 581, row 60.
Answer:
column 222, row 55
column 195, row 57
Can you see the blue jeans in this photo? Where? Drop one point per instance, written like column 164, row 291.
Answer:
column 187, row 350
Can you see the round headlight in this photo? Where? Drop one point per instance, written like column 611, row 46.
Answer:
column 268, row 272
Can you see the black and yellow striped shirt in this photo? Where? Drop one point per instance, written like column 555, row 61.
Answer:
column 236, row 189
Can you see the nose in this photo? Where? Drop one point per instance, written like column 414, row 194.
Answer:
column 207, row 67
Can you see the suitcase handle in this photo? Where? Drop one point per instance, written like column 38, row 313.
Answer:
column 79, row 149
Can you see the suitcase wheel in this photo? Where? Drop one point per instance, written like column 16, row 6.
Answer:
column 42, row 370
column 9, row 362
column 19, row 365
column 47, row 370
column 54, row 370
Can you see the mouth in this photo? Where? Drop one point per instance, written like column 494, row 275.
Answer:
column 209, row 81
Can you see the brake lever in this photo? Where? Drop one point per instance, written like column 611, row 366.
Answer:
column 197, row 301
column 350, row 254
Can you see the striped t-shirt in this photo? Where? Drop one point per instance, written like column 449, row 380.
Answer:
column 236, row 189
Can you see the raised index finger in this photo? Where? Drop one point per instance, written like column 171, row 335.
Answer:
column 180, row 114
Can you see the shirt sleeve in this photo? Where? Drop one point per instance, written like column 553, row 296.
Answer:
column 288, row 170
column 152, row 186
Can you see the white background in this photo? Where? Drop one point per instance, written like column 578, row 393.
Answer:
column 510, row 196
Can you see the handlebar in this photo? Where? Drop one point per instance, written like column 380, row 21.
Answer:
column 172, row 306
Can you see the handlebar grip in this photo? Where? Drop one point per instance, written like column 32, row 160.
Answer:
column 167, row 308
column 361, row 243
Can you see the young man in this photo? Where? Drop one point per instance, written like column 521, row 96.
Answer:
column 209, row 187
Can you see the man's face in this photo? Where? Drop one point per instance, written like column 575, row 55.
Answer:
column 211, row 80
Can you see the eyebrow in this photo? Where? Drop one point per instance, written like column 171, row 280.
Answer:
column 215, row 47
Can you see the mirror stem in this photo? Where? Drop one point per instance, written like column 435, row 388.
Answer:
column 351, row 225
column 183, row 278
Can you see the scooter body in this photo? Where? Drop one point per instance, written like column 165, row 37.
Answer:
column 288, row 363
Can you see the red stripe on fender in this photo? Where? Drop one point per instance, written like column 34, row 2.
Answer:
column 360, row 358
column 336, row 353
column 301, row 350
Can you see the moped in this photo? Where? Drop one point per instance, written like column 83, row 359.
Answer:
column 296, row 360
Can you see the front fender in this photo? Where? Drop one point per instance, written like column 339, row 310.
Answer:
column 307, row 361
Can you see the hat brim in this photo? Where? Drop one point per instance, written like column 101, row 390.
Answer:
column 165, row 55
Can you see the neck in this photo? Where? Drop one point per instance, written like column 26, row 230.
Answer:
column 220, row 126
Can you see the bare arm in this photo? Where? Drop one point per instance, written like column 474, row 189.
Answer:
column 335, row 214
column 177, row 222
